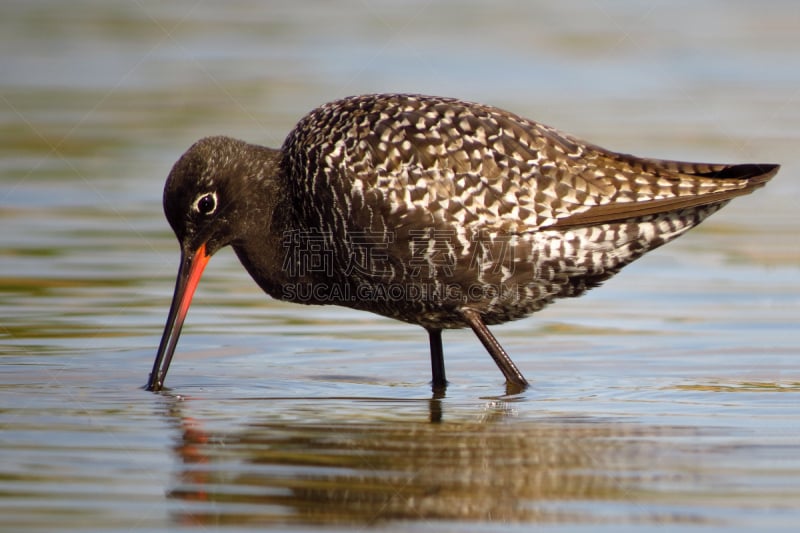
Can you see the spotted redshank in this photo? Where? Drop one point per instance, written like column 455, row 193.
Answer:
column 433, row 211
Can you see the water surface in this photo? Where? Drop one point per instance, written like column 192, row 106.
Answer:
column 667, row 398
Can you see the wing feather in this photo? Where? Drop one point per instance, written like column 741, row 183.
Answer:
column 417, row 160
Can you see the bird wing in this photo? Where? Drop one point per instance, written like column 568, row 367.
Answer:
column 645, row 187
column 397, row 161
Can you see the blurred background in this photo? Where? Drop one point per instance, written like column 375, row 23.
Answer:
column 99, row 98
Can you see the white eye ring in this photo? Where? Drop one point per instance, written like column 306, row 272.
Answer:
column 205, row 203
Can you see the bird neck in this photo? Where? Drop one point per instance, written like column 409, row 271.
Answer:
column 262, row 248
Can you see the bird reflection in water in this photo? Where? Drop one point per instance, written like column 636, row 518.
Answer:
column 287, row 469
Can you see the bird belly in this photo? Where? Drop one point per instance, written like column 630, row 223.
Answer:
column 508, row 277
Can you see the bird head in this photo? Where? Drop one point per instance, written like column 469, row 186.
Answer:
column 209, row 201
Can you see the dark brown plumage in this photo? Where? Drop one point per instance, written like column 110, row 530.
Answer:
column 433, row 211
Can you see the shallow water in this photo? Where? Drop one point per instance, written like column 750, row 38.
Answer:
column 669, row 397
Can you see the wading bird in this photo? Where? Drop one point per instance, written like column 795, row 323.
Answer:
column 433, row 211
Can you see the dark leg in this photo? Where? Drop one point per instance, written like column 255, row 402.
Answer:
column 513, row 376
column 437, row 359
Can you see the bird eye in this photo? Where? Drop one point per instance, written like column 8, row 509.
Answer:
column 206, row 203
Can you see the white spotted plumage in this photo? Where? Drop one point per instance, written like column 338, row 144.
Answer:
column 430, row 210
column 576, row 213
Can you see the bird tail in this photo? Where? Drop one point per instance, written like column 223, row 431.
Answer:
column 754, row 175
column 715, row 184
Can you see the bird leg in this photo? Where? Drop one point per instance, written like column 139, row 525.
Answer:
column 514, row 377
column 437, row 360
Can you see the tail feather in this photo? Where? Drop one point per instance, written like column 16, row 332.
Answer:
column 738, row 180
column 746, row 171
